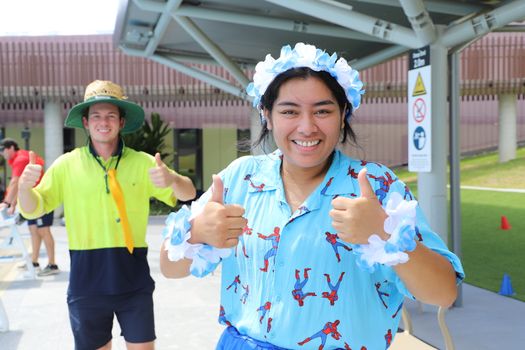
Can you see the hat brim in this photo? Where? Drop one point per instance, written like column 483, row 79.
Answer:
column 134, row 114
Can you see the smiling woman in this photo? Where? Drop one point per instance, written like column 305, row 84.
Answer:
column 57, row 17
column 325, row 246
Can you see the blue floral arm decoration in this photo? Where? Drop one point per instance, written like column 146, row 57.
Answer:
column 177, row 233
column 400, row 224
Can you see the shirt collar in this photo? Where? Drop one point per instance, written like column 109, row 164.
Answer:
column 268, row 178
column 118, row 152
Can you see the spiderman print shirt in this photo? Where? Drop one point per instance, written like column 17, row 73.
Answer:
column 291, row 281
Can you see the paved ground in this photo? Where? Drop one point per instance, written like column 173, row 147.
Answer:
column 186, row 310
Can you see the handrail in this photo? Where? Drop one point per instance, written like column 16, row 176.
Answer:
column 449, row 344
column 408, row 327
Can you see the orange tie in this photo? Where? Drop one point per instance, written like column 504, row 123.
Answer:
column 118, row 197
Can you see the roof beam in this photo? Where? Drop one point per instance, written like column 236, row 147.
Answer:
column 150, row 5
column 420, row 20
column 350, row 19
column 448, row 7
column 162, row 23
column 483, row 24
column 192, row 72
column 213, row 49
column 272, row 23
column 378, row 57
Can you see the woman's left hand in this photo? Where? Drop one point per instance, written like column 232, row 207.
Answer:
column 357, row 219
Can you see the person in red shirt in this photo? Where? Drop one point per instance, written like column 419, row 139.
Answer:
column 40, row 228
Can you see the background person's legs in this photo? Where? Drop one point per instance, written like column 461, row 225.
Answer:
column 36, row 242
column 44, row 231
column 49, row 242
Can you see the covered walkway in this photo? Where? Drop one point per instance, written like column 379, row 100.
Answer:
column 40, row 71
column 187, row 311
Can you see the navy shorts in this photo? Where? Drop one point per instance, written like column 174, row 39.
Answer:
column 44, row 221
column 91, row 318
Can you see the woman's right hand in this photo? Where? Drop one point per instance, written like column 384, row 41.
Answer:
column 218, row 225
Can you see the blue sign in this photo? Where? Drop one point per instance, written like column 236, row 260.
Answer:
column 419, row 137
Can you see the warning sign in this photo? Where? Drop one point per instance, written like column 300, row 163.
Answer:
column 419, row 110
column 419, row 93
column 419, row 88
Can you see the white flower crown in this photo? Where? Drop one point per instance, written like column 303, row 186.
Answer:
column 309, row 56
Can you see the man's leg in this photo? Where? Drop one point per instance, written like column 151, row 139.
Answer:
column 44, row 230
column 49, row 242
column 91, row 319
column 135, row 315
column 36, row 242
column 140, row 346
column 106, row 347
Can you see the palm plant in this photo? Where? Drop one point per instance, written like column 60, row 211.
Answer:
column 151, row 137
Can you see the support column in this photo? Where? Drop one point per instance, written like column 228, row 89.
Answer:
column 432, row 186
column 507, row 127
column 53, row 132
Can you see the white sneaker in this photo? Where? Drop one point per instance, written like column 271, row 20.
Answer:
column 36, row 266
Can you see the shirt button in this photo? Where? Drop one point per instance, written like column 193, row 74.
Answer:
column 280, row 263
column 278, row 298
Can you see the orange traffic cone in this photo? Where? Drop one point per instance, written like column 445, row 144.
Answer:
column 505, row 223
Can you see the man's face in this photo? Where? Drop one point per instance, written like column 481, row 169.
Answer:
column 103, row 123
column 8, row 152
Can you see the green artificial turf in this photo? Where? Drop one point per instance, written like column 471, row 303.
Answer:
column 488, row 252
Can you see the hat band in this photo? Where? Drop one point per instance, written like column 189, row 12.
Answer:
column 102, row 97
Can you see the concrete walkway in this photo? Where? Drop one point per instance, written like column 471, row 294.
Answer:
column 186, row 310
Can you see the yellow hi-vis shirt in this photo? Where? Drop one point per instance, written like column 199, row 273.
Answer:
column 100, row 262
column 92, row 221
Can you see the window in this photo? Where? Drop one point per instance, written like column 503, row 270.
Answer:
column 188, row 158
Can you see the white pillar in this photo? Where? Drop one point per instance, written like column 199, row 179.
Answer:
column 507, row 127
column 432, row 186
column 53, row 132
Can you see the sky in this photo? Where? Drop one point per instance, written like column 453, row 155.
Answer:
column 57, row 17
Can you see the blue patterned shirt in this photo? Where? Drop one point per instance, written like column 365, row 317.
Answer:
column 291, row 281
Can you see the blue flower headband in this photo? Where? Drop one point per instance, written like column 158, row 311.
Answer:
column 309, row 56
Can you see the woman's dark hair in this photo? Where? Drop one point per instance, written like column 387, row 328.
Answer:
column 272, row 92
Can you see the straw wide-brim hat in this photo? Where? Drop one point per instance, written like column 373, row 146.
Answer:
column 104, row 91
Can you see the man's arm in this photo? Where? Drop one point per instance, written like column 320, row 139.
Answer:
column 27, row 198
column 161, row 176
column 182, row 187
column 10, row 198
column 11, row 191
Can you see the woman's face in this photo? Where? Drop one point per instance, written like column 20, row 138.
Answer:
column 306, row 122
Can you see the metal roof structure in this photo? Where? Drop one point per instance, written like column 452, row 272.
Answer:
column 237, row 33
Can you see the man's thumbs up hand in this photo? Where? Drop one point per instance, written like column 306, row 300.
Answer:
column 357, row 219
column 160, row 175
column 31, row 173
column 32, row 157
column 218, row 225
